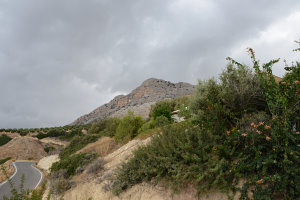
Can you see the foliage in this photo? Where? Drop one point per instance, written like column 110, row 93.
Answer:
column 162, row 108
column 77, row 143
column 95, row 166
column 161, row 121
column 2, row 161
column 243, row 128
column 147, row 125
column 71, row 163
column 48, row 149
column 4, row 139
column 128, row 127
column 51, row 133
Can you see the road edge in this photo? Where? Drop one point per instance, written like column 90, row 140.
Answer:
column 42, row 176
column 16, row 170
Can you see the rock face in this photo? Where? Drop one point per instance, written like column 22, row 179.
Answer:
column 139, row 100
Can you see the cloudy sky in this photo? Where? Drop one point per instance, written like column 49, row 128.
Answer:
column 60, row 59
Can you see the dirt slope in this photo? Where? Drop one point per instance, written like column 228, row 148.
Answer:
column 23, row 148
column 102, row 147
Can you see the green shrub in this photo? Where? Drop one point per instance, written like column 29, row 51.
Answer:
column 161, row 121
column 4, row 139
column 249, row 135
column 71, row 163
column 147, row 125
column 51, row 133
column 2, row 161
column 48, row 149
column 111, row 127
column 162, row 108
column 70, row 135
column 128, row 127
column 77, row 143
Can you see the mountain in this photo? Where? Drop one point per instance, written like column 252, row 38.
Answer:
column 139, row 100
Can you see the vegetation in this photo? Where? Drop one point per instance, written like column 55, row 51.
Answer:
column 128, row 127
column 96, row 166
column 56, row 131
column 77, row 143
column 2, row 161
column 242, row 127
column 4, row 139
column 49, row 149
column 71, row 163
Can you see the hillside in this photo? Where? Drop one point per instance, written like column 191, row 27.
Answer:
column 23, row 148
column 139, row 100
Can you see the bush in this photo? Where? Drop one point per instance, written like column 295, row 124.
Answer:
column 147, row 125
column 249, row 135
column 95, row 166
column 162, row 108
column 111, row 127
column 48, row 149
column 4, row 139
column 51, row 133
column 71, row 163
column 128, row 127
column 161, row 121
column 77, row 143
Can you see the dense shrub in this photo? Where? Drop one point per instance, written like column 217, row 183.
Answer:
column 161, row 121
column 180, row 156
column 51, row 133
column 48, row 149
column 71, row 163
column 128, row 127
column 4, row 139
column 69, row 135
column 236, row 134
column 162, row 108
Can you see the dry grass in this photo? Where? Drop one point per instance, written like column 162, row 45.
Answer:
column 102, row 147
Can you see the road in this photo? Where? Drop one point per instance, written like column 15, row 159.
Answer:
column 33, row 177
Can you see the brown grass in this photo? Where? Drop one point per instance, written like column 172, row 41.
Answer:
column 102, row 147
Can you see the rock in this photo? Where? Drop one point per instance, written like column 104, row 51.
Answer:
column 139, row 100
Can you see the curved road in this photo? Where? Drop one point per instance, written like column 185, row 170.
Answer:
column 33, row 177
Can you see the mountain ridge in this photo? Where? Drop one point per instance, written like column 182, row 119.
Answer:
column 138, row 100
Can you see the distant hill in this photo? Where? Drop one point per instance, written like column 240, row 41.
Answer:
column 139, row 100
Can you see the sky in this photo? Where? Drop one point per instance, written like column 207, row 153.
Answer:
column 62, row 59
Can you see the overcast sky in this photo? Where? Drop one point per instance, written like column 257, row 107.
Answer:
column 60, row 59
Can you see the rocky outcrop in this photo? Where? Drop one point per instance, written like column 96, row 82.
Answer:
column 139, row 100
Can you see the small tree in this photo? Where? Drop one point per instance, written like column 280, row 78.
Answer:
column 128, row 127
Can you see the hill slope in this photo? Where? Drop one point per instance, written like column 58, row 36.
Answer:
column 139, row 100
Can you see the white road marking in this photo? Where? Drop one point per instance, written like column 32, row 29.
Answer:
column 16, row 170
column 40, row 178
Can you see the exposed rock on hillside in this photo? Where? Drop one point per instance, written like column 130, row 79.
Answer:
column 139, row 100
column 23, row 148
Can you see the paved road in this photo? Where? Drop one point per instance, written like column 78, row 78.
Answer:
column 33, row 177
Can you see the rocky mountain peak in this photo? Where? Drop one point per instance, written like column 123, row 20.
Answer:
column 139, row 100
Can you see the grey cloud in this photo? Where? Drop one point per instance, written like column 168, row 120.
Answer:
column 61, row 59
